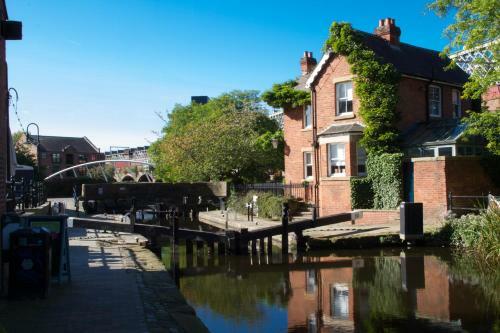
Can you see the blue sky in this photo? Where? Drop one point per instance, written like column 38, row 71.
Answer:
column 103, row 68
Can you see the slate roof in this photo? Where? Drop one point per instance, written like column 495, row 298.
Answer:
column 342, row 129
column 407, row 59
column 435, row 132
column 61, row 143
column 414, row 60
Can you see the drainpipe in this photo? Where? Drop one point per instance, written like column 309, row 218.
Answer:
column 315, row 150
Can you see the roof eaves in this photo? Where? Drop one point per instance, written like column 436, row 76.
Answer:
column 312, row 78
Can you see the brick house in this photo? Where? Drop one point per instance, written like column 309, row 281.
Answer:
column 429, row 109
column 54, row 153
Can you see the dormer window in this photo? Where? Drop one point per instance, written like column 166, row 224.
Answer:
column 344, row 97
column 307, row 121
column 434, row 101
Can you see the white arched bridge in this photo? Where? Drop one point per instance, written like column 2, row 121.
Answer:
column 123, row 176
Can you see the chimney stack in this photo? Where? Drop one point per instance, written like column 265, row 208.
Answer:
column 307, row 63
column 388, row 30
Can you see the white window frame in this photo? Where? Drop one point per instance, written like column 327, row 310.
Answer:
column 360, row 158
column 305, row 124
column 430, row 100
column 336, row 161
column 435, row 149
column 339, row 98
column 306, row 176
column 457, row 103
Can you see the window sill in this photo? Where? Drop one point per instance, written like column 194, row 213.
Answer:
column 345, row 116
column 307, row 129
column 335, row 178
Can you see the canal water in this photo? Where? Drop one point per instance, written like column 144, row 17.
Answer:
column 389, row 290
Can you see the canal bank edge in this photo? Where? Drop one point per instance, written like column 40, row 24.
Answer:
column 164, row 305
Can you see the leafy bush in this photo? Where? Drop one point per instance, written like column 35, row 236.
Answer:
column 385, row 174
column 478, row 233
column 361, row 193
column 269, row 205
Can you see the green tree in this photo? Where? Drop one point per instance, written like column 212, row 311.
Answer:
column 476, row 22
column 224, row 139
column 24, row 156
column 284, row 94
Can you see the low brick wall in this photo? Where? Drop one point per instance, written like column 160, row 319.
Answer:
column 378, row 216
column 435, row 177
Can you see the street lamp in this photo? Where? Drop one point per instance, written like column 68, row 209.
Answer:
column 28, row 135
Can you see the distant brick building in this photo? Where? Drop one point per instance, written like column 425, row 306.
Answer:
column 54, row 153
column 322, row 139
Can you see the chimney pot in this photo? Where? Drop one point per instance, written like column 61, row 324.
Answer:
column 388, row 30
column 307, row 63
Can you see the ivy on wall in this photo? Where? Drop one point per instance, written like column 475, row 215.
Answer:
column 285, row 95
column 361, row 193
column 385, row 174
column 376, row 86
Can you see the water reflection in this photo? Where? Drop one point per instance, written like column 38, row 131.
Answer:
column 410, row 291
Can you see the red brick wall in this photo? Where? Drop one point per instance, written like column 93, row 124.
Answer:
column 378, row 216
column 296, row 140
column 4, row 117
column 435, row 177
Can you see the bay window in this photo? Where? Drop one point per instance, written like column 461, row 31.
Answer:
column 361, row 159
column 336, row 159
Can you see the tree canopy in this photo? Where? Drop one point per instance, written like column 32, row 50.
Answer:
column 476, row 23
column 229, row 138
column 284, row 94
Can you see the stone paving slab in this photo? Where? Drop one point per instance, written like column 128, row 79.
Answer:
column 117, row 286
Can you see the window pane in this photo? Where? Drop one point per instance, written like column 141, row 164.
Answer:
column 446, row 151
column 349, row 106
column 307, row 116
column 428, row 152
column 349, row 90
column 333, row 151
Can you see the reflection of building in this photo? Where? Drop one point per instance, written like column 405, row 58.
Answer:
column 277, row 115
column 354, row 294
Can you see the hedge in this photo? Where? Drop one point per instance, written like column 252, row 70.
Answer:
column 385, row 173
column 361, row 193
column 269, row 205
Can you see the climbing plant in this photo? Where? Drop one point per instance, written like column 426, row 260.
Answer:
column 284, row 94
column 376, row 86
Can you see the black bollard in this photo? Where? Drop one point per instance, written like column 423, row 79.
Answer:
column 284, row 230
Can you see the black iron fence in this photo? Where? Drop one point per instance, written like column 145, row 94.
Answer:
column 304, row 191
column 463, row 204
column 25, row 194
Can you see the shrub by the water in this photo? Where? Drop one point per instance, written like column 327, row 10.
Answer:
column 269, row 205
column 479, row 233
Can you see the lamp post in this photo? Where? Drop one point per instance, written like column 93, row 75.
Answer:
column 28, row 135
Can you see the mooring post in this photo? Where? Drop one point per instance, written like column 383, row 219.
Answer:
column 284, row 229
column 189, row 246
column 175, row 230
column 254, row 246
column 211, row 247
column 301, row 242
column 184, row 209
column 221, row 248
column 132, row 214
column 315, row 214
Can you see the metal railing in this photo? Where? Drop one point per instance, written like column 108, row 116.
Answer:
column 304, row 191
column 469, row 203
column 23, row 194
